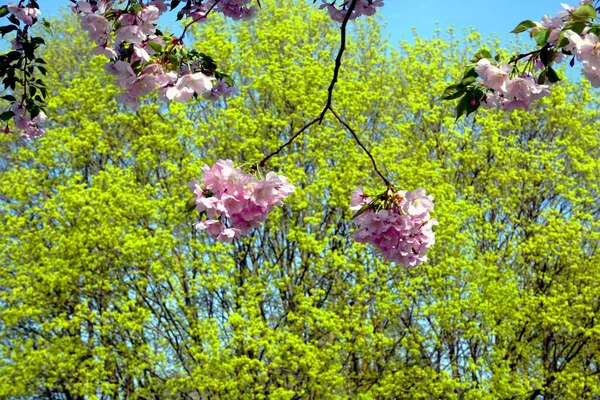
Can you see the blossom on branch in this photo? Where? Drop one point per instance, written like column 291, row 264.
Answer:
column 397, row 223
column 28, row 15
column 362, row 7
column 234, row 201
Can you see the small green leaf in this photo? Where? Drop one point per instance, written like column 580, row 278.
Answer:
column 34, row 111
column 542, row 77
column 469, row 103
column 583, row 12
column 6, row 115
column 483, row 53
column 190, row 204
column 3, row 11
column 470, row 72
column 47, row 26
column 541, row 38
column 362, row 210
column 546, row 56
column 174, row 60
column 552, row 75
column 562, row 40
column 9, row 98
column 7, row 28
column 14, row 20
column 467, row 81
column 576, row 27
column 453, row 92
column 595, row 30
column 523, row 26
column 155, row 46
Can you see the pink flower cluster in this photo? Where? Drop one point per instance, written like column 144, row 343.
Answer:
column 219, row 91
column 403, row 233
column 30, row 128
column 586, row 47
column 234, row 201
column 28, row 15
column 508, row 93
column 137, row 58
column 235, row 9
column 363, row 7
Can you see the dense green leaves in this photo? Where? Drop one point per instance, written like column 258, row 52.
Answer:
column 106, row 291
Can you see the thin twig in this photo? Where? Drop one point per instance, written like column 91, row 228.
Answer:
column 328, row 104
column 185, row 28
column 283, row 146
column 338, row 59
column 362, row 146
column 179, row 40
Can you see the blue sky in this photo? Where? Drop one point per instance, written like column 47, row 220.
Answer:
column 487, row 16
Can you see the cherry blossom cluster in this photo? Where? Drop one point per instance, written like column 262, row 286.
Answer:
column 143, row 60
column 397, row 223
column 234, row 201
column 573, row 33
column 17, row 71
column 28, row 15
column 31, row 128
column 586, row 47
column 338, row 12
column 506, row 92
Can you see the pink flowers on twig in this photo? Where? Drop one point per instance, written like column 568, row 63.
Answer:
column 235, row 202
column 397, row 223
column 509, row 93
column 362, row 7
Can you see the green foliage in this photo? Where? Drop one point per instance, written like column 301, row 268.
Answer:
column 106, row 291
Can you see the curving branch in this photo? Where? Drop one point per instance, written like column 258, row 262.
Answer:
column 329, row 103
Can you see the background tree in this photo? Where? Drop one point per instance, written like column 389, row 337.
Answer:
column 107, row 291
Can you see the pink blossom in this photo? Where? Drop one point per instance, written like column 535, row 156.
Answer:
column 220, row 90
column 492, row 76
column 104, row 50
column 592, row 73
column 587, row 48
column 30, row 128
column 84, row 7
column 359, row 199
column 98, row 28
column 160, row 4
column 123, row 71
column 401, row 233
column 26, row 14
column 235, row 202
column 236, row 9
column 130, row 34
column 362, row 7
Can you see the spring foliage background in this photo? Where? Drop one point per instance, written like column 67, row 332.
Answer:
column 107, row 292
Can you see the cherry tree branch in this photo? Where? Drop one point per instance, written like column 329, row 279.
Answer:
column 362, row 146
column 328, row 104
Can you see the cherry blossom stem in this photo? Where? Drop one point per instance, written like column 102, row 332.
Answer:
column 362, row 146
column 286, row 144
column 338, row 59
column 521, row 56
column 328, row 104
column 185, row 28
